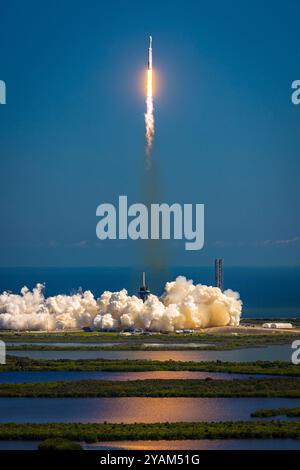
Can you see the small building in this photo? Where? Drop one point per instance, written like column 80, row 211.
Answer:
column 279, row 326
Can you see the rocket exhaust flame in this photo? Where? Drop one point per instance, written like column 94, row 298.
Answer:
column 149, row 115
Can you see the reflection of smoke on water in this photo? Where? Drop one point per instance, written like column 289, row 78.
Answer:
column 182, row 306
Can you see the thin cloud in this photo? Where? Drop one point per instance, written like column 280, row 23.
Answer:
column 259, row 243
column 80, row 244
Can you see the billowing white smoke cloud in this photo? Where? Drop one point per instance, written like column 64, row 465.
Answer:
column 31, row 311
column 182, row 306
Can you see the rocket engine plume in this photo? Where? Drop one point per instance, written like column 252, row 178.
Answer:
column 149, row 115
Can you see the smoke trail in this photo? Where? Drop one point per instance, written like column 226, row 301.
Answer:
column 183, row 305
column 155, row 252
column 149, row 115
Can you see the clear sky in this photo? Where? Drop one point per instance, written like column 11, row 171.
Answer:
column 72, row 131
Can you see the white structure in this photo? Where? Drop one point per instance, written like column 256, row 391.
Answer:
column 283, row 326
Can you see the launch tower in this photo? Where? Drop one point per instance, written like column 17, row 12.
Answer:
column 144, row 292
column 219, row 273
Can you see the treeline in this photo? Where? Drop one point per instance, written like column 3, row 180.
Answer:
column 96, row 432
column 263, row 387
column 109, row 365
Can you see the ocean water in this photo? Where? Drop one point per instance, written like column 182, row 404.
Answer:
column 266, row 292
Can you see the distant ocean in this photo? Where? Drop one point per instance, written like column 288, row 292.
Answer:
column 266, row 292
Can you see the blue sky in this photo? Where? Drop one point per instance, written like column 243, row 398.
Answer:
column 72, row 131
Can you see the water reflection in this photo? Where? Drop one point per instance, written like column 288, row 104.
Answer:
column 52, row 376
column 204, row 444
column 270, row 353
column 130, row 410
column 19, row 445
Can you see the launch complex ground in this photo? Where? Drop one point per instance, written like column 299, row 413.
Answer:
column 248, row 334
column 247, row 326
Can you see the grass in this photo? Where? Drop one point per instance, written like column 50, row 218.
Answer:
column 95, row 432
column 268, row 413
column 143, row 344
column 283, row 387
column 120, row 347
column 258, row 367
column 59, row 443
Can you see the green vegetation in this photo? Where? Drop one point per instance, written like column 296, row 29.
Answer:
column 268, row 413
column 95, row 432
column 118, row 347
column 59, row 443
column 144, row 344
column 221, row 341
column 156, row 388
column 258, row 367
column 72, row 336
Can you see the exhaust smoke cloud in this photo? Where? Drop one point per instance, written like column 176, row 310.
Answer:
column 183, row 305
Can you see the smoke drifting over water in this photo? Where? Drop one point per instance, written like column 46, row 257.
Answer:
column 183, row 305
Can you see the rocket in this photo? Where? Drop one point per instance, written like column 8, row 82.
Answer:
column 150, row 54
